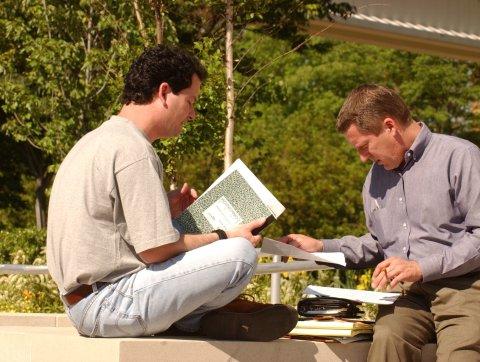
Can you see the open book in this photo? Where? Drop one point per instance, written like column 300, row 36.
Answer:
column 236, row 197
column 362, row 296
column 270, row 246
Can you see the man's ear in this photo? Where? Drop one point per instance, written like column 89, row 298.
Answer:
column 163, row 91
column 390, row 125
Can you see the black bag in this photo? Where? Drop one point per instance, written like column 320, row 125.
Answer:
column 328, row 307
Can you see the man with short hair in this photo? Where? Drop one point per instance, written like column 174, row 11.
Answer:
column 422, row 207
column 121, row 267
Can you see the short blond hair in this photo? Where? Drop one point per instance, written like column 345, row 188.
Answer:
column 368, row 105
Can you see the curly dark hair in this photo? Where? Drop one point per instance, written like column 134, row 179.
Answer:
column 161, row 63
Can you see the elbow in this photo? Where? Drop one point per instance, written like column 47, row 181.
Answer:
column 159, row 254
column 148, row 258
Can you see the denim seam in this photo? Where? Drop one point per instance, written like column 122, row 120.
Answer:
column 105, row 304
column 129, row 296
column 97, row 320
column 85, row 311
column 137, row 317
column 191, row 272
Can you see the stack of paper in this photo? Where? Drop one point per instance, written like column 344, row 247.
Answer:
column 362, row 296
column 331, row 328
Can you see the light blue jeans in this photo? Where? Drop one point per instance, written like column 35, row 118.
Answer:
column 178, row 291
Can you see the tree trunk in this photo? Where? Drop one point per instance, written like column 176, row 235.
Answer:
column 37, row 163
column 41, row 202
column 141, row 26
column 230, row 86
column 158, row 9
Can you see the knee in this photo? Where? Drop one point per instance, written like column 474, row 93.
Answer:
column 384, row 333
column 239, row 249
column 395, row 334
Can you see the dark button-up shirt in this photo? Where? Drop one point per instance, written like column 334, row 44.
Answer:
column 428, row 210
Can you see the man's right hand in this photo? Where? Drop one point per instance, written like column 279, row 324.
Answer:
column 245, row 231
column 303, row 242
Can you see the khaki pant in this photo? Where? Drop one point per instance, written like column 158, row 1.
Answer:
column 446, row 311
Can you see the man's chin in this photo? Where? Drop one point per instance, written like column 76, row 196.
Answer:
column 386, row 167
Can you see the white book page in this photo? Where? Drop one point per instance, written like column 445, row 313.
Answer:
column 222, row 215
column 274, row 247
column 266, row 196
column 333, row 324
column 363, row 296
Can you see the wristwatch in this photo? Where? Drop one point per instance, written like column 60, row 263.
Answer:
column 221, row 234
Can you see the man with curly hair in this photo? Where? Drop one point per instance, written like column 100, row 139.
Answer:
column 121, row 267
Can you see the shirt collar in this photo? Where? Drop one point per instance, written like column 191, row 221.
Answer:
column 415, row 152
column 131, row 124
column 421, row 142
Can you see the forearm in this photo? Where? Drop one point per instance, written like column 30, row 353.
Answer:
column 360, row 252
column 184, row 243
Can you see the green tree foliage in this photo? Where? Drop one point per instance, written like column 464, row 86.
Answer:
column 61, row 74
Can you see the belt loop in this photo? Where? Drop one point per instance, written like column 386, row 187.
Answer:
column 94, row 287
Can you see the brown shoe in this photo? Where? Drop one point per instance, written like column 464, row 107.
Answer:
column 245, row 320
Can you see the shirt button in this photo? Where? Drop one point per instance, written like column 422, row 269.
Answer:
column 404, row 249
column 404, row 225
column 400, row 199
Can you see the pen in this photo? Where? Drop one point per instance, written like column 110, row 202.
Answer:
column 386, row 276
column 389, row 287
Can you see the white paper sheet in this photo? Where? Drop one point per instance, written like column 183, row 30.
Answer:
column 363, row 296
column 270, row 246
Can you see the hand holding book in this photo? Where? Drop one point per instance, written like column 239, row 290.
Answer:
column 303, row 242
column 247, row 231
column 236, row 198
column 180, row 199
column 270, row 246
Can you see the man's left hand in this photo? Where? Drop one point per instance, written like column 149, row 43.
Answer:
column 395, row 270
column 180, row 199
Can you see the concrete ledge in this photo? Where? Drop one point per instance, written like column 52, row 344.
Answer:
column 40, row 337
column 35, row 319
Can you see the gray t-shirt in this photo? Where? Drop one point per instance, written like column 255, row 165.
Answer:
column 107, row 204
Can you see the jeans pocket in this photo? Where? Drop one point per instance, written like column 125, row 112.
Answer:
column 80, row 314
column 112, row 323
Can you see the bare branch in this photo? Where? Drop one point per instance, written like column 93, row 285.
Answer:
column 89, row 44
column 141, row 26
column 254, row 46
column 46, row 18
column 253, row 93
column 282, row 55
column 228, row 156
column 107, row 76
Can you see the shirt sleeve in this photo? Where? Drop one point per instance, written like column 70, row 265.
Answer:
column 145, row 206
column 360, row 252
column 464, row 254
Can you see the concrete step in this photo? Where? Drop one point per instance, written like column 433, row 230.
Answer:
column 48, row 337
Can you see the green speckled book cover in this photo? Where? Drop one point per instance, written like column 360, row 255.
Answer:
column 230, row 202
